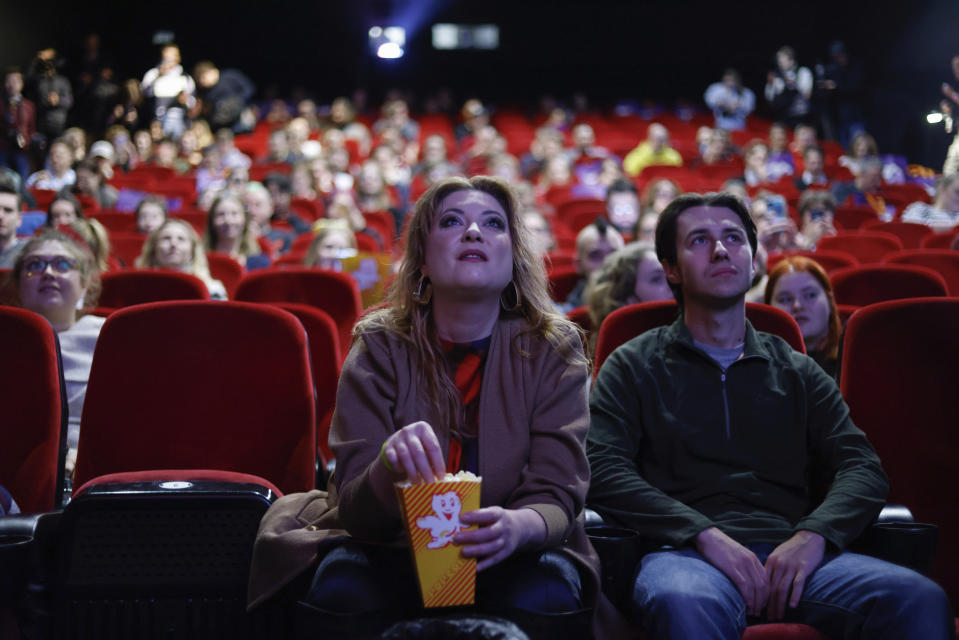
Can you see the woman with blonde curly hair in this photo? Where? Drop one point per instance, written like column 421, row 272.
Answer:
column 467, row 368
column 629, row 275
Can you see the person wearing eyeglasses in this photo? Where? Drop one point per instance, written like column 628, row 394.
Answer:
column 56, row 275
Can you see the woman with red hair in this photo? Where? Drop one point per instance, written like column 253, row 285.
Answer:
column 800, row 287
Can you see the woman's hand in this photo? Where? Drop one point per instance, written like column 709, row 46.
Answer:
column 501, row 532
column 414, row 454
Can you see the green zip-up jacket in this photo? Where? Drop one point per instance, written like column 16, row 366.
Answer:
column 677, row 445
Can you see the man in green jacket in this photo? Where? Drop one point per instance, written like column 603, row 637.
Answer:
column 710, row 439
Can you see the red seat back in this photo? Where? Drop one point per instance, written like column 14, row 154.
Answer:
column 898, row 377
column 333, row 292
column 562, row 281
column 126, row 246
column 866, row 246
column 910, row 233
column 868, row 284
column 828, row 260
column 854, row 217
column 939, row 240
column 114, row 221
column 31, row 390
column 136, row 286
column 325, row 356
column 201, row 385
column 627, row 322
column 942, row 261
column 226, row 270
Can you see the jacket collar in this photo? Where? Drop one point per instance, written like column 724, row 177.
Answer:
column 678, row 333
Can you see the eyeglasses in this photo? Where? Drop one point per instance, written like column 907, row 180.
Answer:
column 61, row 264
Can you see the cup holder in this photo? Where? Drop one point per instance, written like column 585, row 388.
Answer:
column 14, row 558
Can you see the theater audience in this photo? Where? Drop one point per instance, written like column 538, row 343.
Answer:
column 861, row 146
column 800, row 287
column 176, row 246
column 55, row 274
column 58, row 173
column 541, row 235
column 813, row 174
column 730, row 101
column 10, row 219
column 622, row 205
column 150, row 213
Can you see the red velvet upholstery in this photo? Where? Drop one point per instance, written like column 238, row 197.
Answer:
column 939, row 240
column 562, row 280
column 628, row 322
column 911, row 233
column 943, row 261
column 333, row 292
column 114, row 221
column 866, row 246
column 867, row 284
column 325, row 356
column 175, row 475
column 126, row 246
column 828, row 260
column 226, row 270
column 899, row 379
column 580, row 315
column 32, row 395
column 201, row 385
column 136, row 286
column 578, row 210
column 854, row 217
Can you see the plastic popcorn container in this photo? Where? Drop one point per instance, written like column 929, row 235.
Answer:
column 431, row 513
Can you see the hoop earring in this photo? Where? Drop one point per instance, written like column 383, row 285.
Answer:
column 423, row 292
column 510, row 301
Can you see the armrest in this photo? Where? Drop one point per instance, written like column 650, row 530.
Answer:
column 895, row 513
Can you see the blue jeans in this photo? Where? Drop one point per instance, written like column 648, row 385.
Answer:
column 363, row 579
column 678, row 594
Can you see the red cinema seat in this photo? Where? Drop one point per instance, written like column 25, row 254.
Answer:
column 898, row 378
column 828, row 260
column 868, row 284
column 114, row 221
column 578, row 208
column 854, row 217
column 868, row 247
column 940, row 240
column 306, row 208
column 630, row 321
column 910, row 233
column 200, row 385
column 943, row 261
column 33, row 429
column 198, row 415
column 226, row 270
column 126, row 246
column 562, row 281
column 325, row 357
column 136, row 286
column 333, row 292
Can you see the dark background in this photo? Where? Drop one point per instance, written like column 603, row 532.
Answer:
column 606, row 50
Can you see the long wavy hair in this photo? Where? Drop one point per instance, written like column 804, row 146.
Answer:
column 198, row 263
column 414, row 322
column 795, row 264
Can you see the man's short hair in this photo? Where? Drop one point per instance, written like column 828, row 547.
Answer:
column 621, row 185
column 7, row 186
column 281, row 180
column 816, row 148
column 816, row 199
column 666, row 227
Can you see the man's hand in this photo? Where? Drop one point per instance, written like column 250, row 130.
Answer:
column 738, row 563
column 787, row 568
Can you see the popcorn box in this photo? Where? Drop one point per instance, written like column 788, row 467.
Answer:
column 431, row 513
